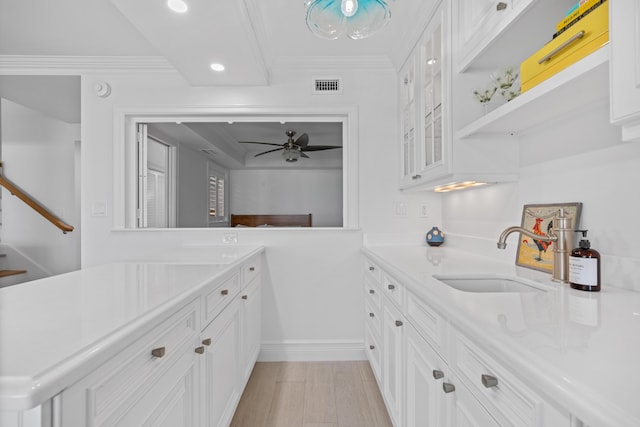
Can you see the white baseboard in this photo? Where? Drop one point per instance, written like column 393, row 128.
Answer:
column 311, row 351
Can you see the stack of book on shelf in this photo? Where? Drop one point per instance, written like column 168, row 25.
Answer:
column 583, row 30
column 576, row 13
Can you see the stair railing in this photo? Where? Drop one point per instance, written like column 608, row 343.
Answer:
column 33, row 204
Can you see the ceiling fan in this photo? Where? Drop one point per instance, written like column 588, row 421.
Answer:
column 292, row 150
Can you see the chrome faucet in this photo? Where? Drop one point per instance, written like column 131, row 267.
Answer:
column 561, row 235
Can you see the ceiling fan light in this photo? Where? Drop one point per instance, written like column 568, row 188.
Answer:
column 349, row 7
column 291, row 154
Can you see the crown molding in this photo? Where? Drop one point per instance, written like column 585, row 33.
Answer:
column 39, row 64
column 332, row 63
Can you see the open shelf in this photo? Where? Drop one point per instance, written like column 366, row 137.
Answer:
column 583, row 83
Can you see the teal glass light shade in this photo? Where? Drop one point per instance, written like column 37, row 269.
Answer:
column 325, row 18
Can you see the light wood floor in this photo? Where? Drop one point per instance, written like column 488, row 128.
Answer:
column 311, row 394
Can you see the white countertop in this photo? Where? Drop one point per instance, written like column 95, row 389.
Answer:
column 581, row 349
column 54, row 330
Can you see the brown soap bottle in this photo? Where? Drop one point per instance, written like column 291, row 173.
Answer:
column 584, row 266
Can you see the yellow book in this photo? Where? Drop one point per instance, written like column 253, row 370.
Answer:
column 576, row 13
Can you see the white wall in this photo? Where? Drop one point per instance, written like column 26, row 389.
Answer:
column 313, row 292
column 578, row 159
column 193, row 191
column 38, row 156
column 291, row 191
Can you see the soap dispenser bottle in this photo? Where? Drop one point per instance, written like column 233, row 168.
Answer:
column 584, row 266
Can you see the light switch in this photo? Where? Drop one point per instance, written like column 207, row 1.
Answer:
column 99, row 208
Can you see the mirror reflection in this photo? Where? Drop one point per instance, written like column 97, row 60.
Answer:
column 239, row 174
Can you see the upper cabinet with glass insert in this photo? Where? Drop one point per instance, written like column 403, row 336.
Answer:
column 425, row 105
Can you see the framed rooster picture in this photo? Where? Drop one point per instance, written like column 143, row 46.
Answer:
column 538, row 219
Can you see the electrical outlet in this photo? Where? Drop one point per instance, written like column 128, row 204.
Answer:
column 399, row 209
column 423, row 211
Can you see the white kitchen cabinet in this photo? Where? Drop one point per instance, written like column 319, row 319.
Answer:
column 250, row 326
column 393, row 361
column 427, row 404
column 624, row 30
column 220, row 389
column 425, row 105
column 153, row 382
column 433, row 374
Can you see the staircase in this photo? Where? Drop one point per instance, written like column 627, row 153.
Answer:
column 22, row 268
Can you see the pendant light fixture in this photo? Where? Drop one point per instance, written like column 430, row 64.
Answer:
column 356, row 19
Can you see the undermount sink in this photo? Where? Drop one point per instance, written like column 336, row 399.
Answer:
column 489, row 284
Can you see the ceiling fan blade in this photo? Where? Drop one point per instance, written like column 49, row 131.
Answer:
column 303, row 140
column 269, row 151
column 262, row 143
column 320, row 147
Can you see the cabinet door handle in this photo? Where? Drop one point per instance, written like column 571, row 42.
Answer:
column 371, row 347
column 555, row 51
column 252, row 269
column 438, row 374
column 371, row 315
column 417, row 176
column 391, row 287
column 158, row 352
column 371, row 268
column 200, row 350
column 448, row 388
column 399, row 323
column 489, row 381
column 371, row 291
column 501, row 6
column 224, row 292
column 206, row 341
column 244, row 297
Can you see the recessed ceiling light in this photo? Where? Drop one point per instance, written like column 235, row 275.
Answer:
column 217, row 66
column 178, row 6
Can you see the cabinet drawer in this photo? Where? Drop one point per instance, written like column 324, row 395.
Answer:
column 250, row 270
column 373, row 318
column 215, row 300
column 372, row 294
column 582, row 38
column 428, row 323
column 372, row 349
column 392, row 289
column 506, row 397
column 372, row 271
column 112, row 389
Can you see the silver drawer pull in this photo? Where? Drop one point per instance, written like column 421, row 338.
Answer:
column 489, row 381
column 371, row 347
column 206, row 341
column 371, row 315
column 448, row 388
column 244, row 297
column 391, row 287
column 399, row 323
column 371, row 268
column 555, row 51
column 224, row 292
column 371, row 291
column 200, row 350
column 418, row 176
column 501, row 6
column 158, row 352
column 438, row 374
column 252, row 269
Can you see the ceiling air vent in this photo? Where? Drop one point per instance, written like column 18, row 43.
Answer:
column 327, row 86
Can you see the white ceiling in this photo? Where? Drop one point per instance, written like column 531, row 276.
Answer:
column 251, row 37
